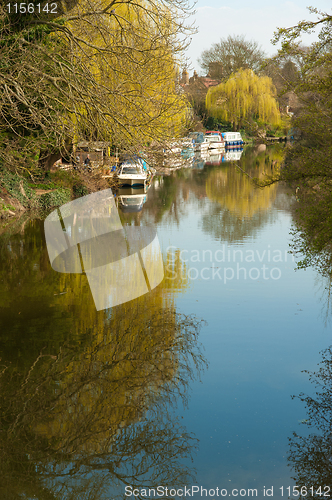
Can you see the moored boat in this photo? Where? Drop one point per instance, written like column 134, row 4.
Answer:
column 132, row 173
column 214, row 141
column 232, row 139
column 197, row 139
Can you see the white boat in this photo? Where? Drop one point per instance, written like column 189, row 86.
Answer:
column 214, row 141
column 202, row 146
column 232, row 139
column 132, row 173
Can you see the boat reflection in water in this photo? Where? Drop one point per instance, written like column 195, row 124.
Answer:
column 130, row 199
column 214, row 159
column 233, row 155
column 209, row 158
column 200, row 158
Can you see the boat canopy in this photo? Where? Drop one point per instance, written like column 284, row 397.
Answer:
column 130, row 169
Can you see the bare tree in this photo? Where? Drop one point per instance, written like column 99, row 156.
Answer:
column 231, row 54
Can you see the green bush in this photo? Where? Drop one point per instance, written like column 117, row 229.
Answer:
column 80, row 190
column 54, row 198
column 16, row 187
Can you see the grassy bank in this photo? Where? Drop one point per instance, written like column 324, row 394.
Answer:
column 19, row 194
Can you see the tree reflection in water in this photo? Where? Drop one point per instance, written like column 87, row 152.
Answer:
column 311, row 456
column 312, row 235
column 83, row 423
column 241, row 208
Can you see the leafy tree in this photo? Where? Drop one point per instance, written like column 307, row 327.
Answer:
column 99, row 71
column 243, row 97
column 230, row 55
column 307, row 164
column 310, row 157
column 284, row 73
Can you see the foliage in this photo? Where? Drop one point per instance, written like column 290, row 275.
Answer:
column 310, row 455
column 18, row 188
column 54, row 198
column 80, row 189
column 307, row 165
column 311, row 156
column 230, row 55
column 285, row 73
column 242, row 97
column 102, row 71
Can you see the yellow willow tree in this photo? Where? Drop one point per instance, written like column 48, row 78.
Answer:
column 131, row 52
column 243, row 97
column 94, row 70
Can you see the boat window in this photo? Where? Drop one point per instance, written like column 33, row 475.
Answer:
column 213, row 138
column 130, row 170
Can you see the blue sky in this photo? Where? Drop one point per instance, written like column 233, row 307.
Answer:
column 255, row 19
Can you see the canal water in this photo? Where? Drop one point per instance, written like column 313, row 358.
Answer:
column 188, row 387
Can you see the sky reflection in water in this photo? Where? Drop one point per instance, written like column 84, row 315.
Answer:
column 119, row 369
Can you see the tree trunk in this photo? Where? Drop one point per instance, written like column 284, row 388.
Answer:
column 47, row 159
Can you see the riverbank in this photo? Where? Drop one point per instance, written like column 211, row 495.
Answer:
column 19, row 194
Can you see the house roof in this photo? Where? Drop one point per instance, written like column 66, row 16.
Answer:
column 209, row 82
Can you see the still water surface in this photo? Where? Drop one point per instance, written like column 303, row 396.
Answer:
column 188, row 385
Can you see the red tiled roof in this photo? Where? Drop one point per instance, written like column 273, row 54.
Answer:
column 209, row 82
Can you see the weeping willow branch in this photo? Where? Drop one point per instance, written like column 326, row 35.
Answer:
column 105, row 72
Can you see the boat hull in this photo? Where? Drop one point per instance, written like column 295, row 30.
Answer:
column 216, row 146
column 130, row 181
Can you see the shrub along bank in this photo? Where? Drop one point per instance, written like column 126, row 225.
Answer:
column 18, row 194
